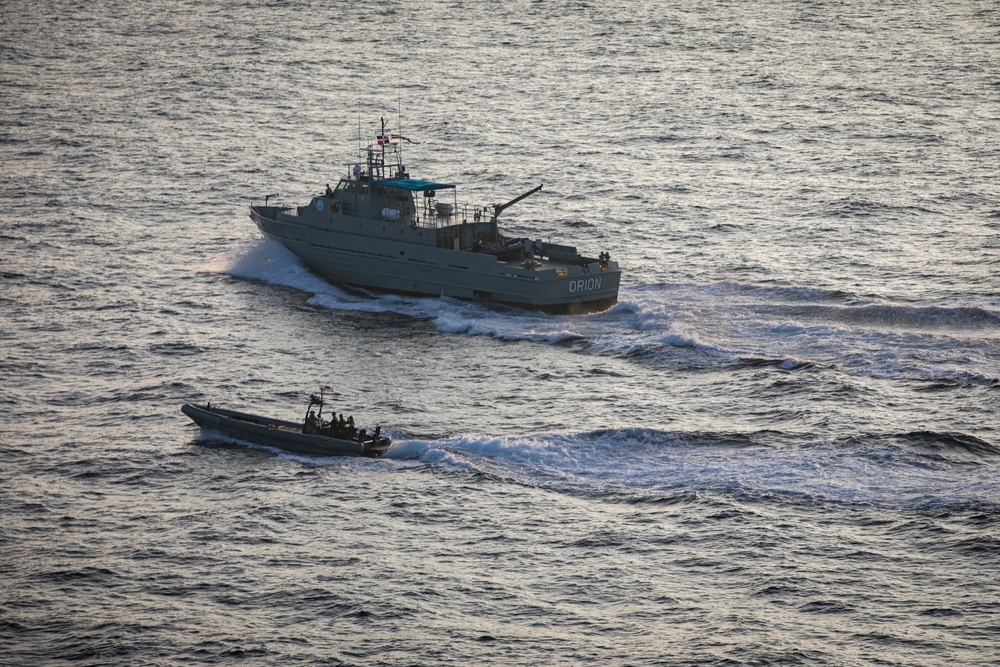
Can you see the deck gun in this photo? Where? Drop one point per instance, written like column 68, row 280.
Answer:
column 498, row 208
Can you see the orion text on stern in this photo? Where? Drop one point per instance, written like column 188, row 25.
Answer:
column 584, row 285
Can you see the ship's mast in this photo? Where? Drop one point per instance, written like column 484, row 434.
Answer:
column 383, row 139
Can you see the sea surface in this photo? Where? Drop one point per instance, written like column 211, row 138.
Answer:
column 781, row 447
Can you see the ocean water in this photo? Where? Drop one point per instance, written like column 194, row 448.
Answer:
column 781, row 447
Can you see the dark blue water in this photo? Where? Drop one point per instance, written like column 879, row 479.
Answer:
column 781, row 447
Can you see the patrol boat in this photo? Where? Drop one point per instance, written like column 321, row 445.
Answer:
column 313, row 435
column 382, row 230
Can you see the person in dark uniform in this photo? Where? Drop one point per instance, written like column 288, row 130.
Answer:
column 311, row 425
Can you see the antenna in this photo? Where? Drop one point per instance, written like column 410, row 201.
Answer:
column 399, row 124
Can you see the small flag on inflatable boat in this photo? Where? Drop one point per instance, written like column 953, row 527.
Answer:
column 328, row 388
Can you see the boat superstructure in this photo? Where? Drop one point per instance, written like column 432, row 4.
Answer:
column 382, row 229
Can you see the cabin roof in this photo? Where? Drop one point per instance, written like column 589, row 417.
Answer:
column 413, row 184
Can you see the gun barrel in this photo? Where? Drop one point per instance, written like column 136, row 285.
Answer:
column 498, row 208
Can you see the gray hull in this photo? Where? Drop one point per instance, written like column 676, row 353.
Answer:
column 279, row 434
column 394, row 256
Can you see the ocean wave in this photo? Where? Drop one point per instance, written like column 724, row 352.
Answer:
column 729, row 290
column 269, row 262
column 951, row 442
column 721, row 325
column 863, row 207
column 785, row 364
column 910, row 469
column 900, row 316
column 783, row 292
column 477, row 322
column 175, row 348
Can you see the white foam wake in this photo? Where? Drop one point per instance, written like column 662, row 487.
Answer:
column 650, row 464
column 722, row 324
